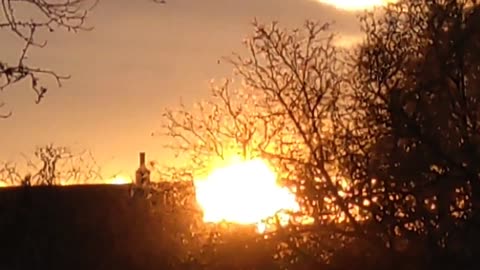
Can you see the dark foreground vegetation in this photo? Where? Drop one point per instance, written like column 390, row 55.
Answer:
column 104, row 227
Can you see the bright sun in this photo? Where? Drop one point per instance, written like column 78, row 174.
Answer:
column 352, row 5
column 244, row 192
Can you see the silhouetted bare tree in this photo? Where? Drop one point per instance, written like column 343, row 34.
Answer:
column 52, row 165
column 291, row 110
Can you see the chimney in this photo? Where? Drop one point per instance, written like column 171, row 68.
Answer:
column 142, row 175
column 142, row 159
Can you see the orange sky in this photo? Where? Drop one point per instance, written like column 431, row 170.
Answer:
column 139, row 59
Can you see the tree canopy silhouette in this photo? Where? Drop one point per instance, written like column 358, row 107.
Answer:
column 417, row 100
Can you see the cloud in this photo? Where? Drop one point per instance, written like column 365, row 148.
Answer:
column 355, row 5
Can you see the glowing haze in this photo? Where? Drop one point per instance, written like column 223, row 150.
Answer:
column 244, row 192
column 116, row 180
column 352, row 5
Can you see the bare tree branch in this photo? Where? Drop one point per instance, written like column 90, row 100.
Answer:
column 47, row 15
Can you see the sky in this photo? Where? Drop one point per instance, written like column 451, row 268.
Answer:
column 139, row 59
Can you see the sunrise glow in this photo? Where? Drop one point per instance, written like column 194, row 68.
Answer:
column 244, row 192
column 352, row 5
column 118, row 180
